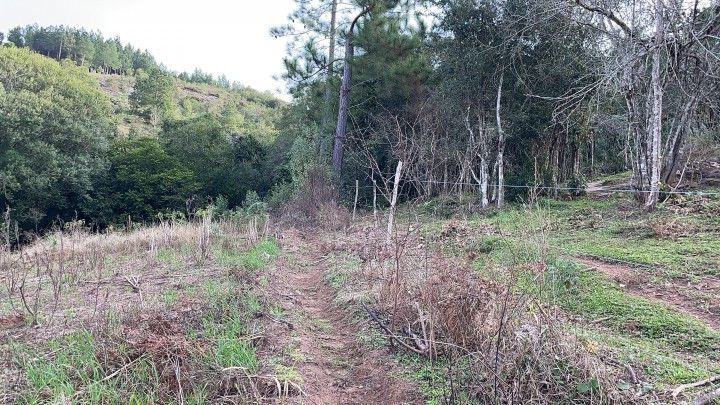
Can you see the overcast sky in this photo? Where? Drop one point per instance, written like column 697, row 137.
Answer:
column 218, row 36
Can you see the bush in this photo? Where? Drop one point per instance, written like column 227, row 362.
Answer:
column 253, row 205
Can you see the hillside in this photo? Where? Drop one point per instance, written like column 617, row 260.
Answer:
column 192, row 99
column 102, row 148
column 466, row 202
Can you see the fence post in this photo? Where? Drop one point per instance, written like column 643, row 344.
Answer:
column 391, row 219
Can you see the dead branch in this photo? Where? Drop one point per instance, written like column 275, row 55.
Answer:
column 707, row 398
column 700, row 383
column 389, row 333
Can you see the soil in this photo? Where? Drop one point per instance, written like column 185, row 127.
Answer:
column 335, row 367
column 675, row 293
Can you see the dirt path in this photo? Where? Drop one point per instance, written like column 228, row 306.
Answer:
column 335, row 368
column 672, row 293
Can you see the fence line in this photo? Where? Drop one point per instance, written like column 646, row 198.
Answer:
column 603, row 191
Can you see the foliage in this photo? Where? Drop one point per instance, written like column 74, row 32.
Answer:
column 144, row 180
column 154, row 95
column 224, row 162
column 55, row 129
column 83, row 47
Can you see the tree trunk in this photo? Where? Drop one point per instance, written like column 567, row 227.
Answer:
column 672, row 149
column 484, row 182
column 374, row 198
column 344, row 103
column 331, row 64
column 357, row 189
column 656, row 117
column 501, row 148
column 592, row 155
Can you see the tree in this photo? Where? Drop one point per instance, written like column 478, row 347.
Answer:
column 224, row 162
column 144, row 181
column 344, row 103
column 154, row 95
column 17, row 36
column 654, row 47
column 55, row 126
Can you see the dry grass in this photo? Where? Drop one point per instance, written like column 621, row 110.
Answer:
column 136, row 295
column 316, row 204
column 501, row 345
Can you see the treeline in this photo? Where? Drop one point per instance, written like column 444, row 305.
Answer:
column 63, row 159
column 86, row 48
column 105, row 55
column 537, row 95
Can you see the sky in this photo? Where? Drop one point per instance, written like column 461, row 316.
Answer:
column 217, row 36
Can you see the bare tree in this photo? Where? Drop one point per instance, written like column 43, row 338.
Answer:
column 652, row 47
column 501, row 147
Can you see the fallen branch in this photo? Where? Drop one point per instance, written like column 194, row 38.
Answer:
column 389, row 333
column 289, row 324
column 320, row 260
column 134, row 282
column 700, row 383
column 283, row 388
column 633, row 377
column 707, row 398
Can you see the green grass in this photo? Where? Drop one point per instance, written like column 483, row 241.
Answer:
column 76, row 370
column 255, row 259
column 170, row 298
column 430, row 376
column 654, row 357
column 226, row 325
column 342, row 265
column 670, row 346
column 674, row 258
column 336, row 279
column 617, row 178
column 169, row 257
column 232, row 307
column 606, row 229
column 594, row 297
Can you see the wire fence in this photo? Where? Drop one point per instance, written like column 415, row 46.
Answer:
column 587, row 190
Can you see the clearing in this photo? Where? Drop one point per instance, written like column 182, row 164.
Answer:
column 588, row 300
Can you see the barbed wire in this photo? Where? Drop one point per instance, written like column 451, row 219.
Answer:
column 583, row 189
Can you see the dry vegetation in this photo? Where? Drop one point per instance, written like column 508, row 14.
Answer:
column 149, row 315
column 489, row 341
column 511, row 306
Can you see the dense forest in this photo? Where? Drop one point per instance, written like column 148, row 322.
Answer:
column 121, row 142
column 508, row 99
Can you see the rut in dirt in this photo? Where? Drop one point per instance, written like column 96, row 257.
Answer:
column 636, row 282
column 335, row 367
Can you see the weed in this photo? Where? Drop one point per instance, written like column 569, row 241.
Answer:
column 293, row 352
column 430, row 376
column 170, row 297
column 76, row 371
column 336, row 279
column 655, row 358
column 169, row 258
column 288, row 374
column 257, row 258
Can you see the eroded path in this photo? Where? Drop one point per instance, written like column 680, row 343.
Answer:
column 322, row 338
